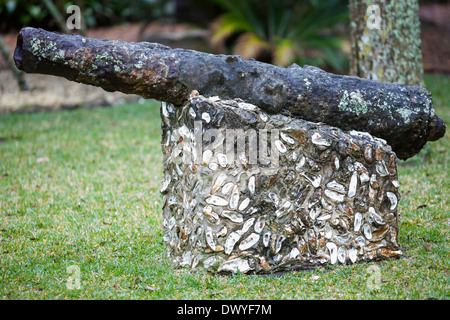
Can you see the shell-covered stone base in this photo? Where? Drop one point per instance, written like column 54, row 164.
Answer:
column 316, row 196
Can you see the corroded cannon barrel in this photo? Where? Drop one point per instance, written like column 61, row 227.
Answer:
column 402, row 115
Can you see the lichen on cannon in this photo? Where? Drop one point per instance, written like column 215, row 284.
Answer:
column 247, row 191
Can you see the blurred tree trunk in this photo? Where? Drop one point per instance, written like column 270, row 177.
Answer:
column 19, row 75
column 386, row 43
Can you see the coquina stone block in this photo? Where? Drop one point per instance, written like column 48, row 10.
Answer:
column 247, row 191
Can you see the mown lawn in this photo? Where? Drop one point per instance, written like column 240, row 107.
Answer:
column 80, row 188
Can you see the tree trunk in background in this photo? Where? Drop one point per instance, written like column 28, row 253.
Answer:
column 392, row 52
column 19, row 75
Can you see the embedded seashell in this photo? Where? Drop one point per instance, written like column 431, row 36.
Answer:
column 227, row 187
column 206, row 117
column 294, row 253
column 171, row 223
column 317, row 139
column 279, row 243
column 315, row 180
column 368, row 153
column 333, row 185
column 353, row 254
column 360, row 241
column 274, row 198
column 217, row 201
column 312, row 240
column 244, row 204
column 196, row 260
column 252, row 184
column 233, row 216
column 382, row 169
column 393, row 235
column 376, row 245
column 259, row 225
column 222, row 159
column 325, row 204
column 389, row 253
column 380, row 233
column 213, row 166
column 243, row 159
column 300, row 164
column 210, row 213
column 342, row 255
column 376, row 217
column 395, row 183
column 263, row 262
column 333, row 252
column 208, row 263
column 328, row 232
column 266, row 238
column 343, row 239
column 186, row 258
column 184, row 132
column 231, row 241
column 336, row 163
column 234, row 198
column 363, row 173
column 192, row 113
column 357, row 222
column 392, row 164
column 263, row 116
column 249, row 242
column 334, row 196
column 280, row 146
column 251, row 211
column 367, row 231
column 164, row 109
column 165, row 184
column 283, row 210
column 247, row 225
column 167, row 237
column 364, row 177
column 207, row 154
column 235, row 265
column 303, row 246
column 374, row 182
column 393, row 199
column 287, row 138
column 210, row 239
column 372, row 195
column 247, row 106
column 294, row 156
column 177, row 167
column 314, row 212
column 353, row 185
column 222, row 232
column 218, row 183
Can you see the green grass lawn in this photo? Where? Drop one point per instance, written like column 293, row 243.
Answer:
column 81, row 188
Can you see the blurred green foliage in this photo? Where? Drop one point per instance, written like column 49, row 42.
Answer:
column 15, row 14
column 283, row 32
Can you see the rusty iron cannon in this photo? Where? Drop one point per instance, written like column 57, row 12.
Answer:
column 402, row 115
